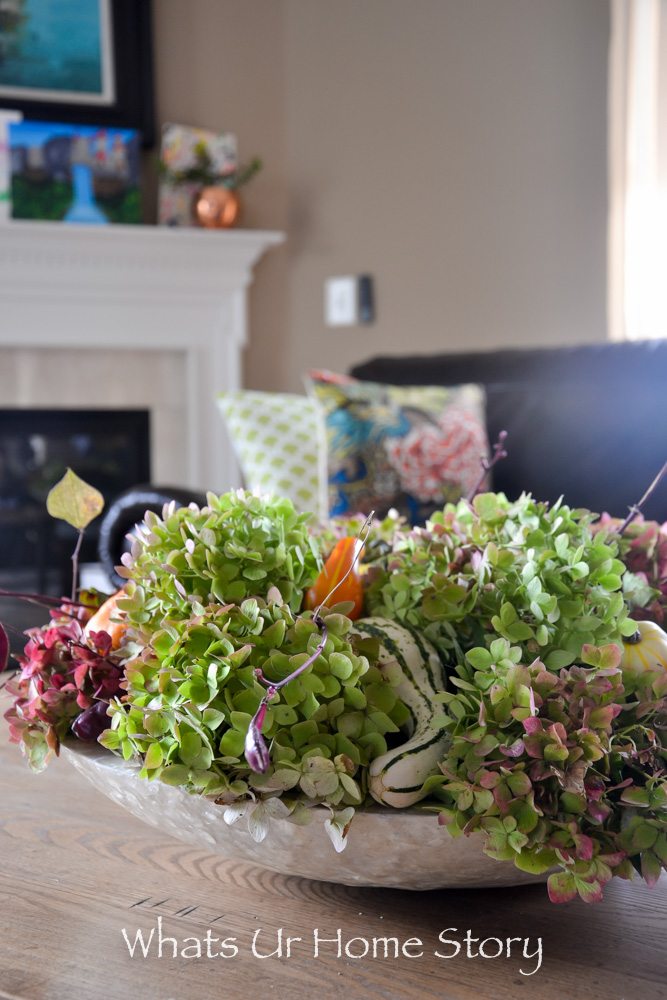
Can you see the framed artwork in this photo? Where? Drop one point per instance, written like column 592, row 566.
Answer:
column 79, row 61
column 6, row 117
column 74, row 173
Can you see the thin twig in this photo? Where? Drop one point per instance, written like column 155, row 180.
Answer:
column 75, row 563
column 46, row 599
column 16, row 631
column 11, row 676
column 42, row 604
column 256, row 752
column 364, row 532
column 274, row 686
column 636, row 508
column 498, row 453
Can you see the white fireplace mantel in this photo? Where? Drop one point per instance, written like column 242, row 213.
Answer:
column 130, row 288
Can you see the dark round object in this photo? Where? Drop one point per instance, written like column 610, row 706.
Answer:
column 92, row 722
column 127, row 510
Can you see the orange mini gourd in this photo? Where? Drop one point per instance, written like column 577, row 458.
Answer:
column 335, row 568
column 105, row 619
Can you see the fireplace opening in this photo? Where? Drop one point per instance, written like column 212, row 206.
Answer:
column 109, row 448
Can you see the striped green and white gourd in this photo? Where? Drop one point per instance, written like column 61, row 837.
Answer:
column 396, row 777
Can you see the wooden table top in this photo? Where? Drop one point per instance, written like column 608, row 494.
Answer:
column 76, row 870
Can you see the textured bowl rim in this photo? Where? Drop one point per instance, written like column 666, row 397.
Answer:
column 393, row 848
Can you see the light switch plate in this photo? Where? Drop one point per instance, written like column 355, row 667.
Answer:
column 341, row 301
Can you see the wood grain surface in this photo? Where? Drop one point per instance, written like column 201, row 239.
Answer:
column 75, row 870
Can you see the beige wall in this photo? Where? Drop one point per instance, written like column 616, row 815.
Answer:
column 219, row 64
column 454, row 150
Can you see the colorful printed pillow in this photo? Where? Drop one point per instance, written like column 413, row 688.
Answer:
column 414, row 448
column 279, row 440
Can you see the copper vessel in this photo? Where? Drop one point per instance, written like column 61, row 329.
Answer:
column 217, row 208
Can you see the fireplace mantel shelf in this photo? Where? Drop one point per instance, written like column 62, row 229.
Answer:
column 140, row 261
column 139, row 288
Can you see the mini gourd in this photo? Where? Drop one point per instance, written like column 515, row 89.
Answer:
column 645, row 650
column 396, row 777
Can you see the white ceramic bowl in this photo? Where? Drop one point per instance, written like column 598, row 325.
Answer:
column 403, row 849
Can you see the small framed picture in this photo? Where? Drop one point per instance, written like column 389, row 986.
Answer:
column 79, row 61
column 74, row 173
column 190, row 154
column 6, row 118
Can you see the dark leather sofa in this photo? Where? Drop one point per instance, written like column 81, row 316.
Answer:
column 586, row 422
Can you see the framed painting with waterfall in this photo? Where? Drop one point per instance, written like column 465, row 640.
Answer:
column 80, row 61
column 74, row 173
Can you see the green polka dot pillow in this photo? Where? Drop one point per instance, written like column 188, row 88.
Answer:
column 280, row 442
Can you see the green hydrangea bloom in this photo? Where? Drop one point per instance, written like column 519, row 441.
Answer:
column 191, row 694
column 239, row 546
column 523, row 571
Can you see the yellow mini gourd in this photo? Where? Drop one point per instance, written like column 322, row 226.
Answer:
column 646, row 650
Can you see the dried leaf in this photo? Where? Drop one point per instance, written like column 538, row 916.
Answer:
column 572, row 780
column 235, row 812
column 338, row 827
column 74, row 501
column 258, row 823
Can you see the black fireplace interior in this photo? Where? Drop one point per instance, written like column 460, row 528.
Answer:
column 107, row 448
